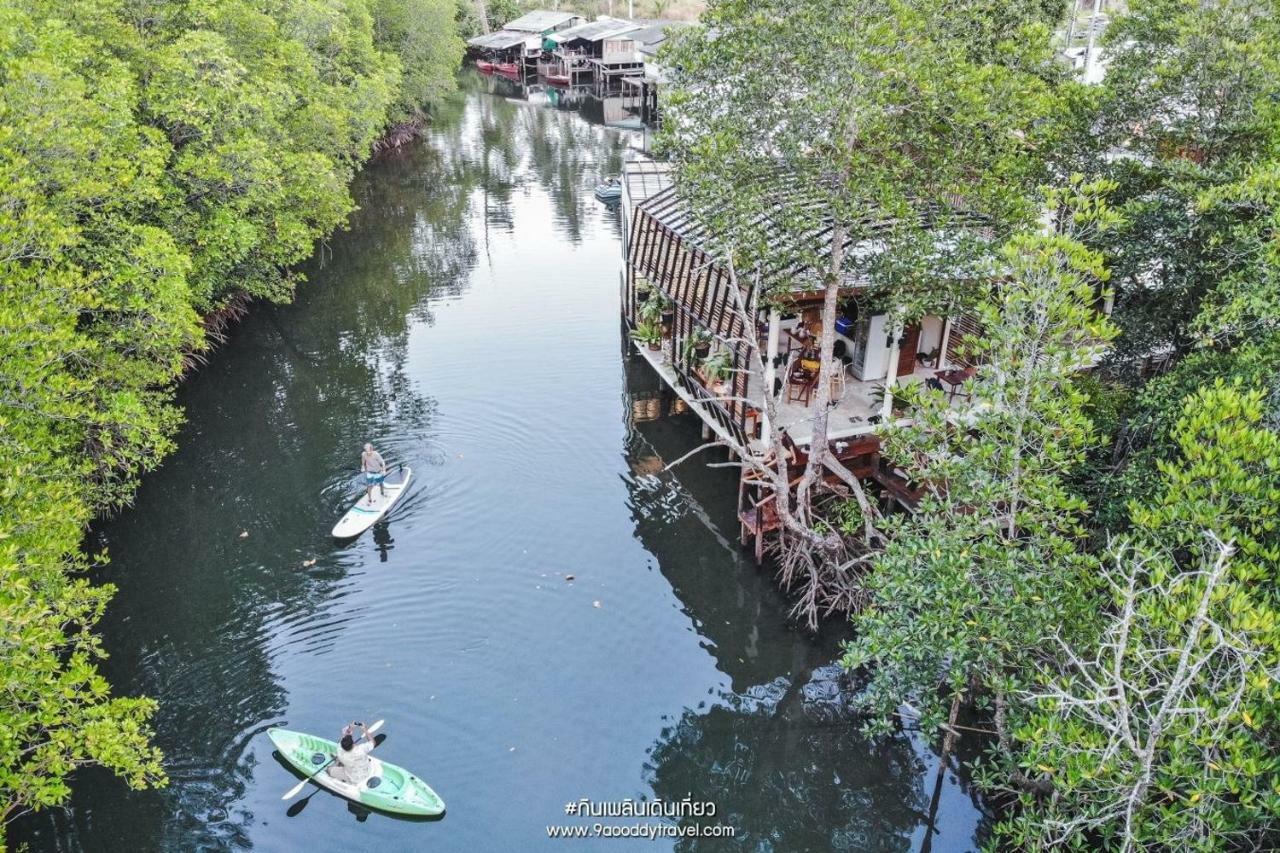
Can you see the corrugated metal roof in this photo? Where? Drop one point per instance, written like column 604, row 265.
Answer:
column 593, row 31
column 539, row 21
column 650, row 35
column 501, row 40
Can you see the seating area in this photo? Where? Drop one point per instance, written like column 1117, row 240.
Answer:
column 857, row 405
column 857, row 409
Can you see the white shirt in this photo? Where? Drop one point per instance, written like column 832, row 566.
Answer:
column 356, row 761
column 371, row 462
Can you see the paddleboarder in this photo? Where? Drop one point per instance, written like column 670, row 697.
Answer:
column 352, row 764
column 375, row 471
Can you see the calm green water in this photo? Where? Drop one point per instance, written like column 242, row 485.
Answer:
column 467, row 323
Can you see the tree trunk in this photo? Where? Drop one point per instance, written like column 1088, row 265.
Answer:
column 482, row 12
column 813, row 472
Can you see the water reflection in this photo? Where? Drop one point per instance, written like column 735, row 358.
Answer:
column 466, row 325
column 778, row 750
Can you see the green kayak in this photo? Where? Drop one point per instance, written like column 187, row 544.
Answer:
column 389, row 788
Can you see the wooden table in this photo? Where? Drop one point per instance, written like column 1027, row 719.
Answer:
column 955, row 377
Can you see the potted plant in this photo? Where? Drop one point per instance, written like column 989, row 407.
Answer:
column 668, row 315
column 697, row 345
column 643, row 290
column 899, row 396
column 716, row 368
column 649, row 312
column 649, row 334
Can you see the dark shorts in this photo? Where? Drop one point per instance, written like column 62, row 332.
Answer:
column 373, row 479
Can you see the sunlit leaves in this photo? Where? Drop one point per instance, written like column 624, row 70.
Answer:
column 1164, row 730
column 991, row 563
column 155, row 160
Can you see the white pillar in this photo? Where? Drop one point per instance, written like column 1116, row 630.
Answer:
column 891, row 373
column 942, row 363
column 770, row 370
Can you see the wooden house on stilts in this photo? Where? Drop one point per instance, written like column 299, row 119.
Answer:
column 721, row 344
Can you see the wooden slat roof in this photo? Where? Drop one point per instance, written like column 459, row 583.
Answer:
column 673, row 211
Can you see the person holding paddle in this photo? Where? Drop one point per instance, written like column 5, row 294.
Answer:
column 351, row 764
column 375, row 471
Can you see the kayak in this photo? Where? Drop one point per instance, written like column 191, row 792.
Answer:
column 364, row 514
column 389, row 788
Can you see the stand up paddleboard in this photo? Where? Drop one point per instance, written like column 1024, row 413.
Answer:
column 364, row 515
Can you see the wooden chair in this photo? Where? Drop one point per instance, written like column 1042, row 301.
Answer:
column 800, row 384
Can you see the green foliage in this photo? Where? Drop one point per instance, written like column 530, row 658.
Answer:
column 991, row 562
column 1191, row 93
column 648, row 333
column 925, row 91
column 718, row 365
column 153, row 165
column 1143, row 440
column 1165, row 734
column 57, row 711
column 423, row 34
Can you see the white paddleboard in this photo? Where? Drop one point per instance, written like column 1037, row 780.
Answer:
column 364, row 514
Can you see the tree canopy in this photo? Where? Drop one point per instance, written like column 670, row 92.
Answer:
column 158, row 162
column 1091, row 572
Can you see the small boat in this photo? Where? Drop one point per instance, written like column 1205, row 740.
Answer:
column 557, row 79
column 610, row 190
column 509, row 69
column 364, row 514
column 484, row 67
column 389, row 788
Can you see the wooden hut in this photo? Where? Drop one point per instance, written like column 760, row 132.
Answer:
column 640, row 85
column 502, row 52
column 517, row 47
column 589, row 52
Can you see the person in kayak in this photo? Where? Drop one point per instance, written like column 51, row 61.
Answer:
column 375, row 471
column 352, row 765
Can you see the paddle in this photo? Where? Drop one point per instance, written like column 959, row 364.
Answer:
column 298, row 787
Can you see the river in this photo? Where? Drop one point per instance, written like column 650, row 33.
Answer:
column 467, row 324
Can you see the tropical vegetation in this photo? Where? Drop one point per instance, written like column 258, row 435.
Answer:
column 161, row 165
column 1087, row 586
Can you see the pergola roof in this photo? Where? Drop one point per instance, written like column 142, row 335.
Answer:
column 646, row 178
column 866, row 239
column 539, row 21
column 500, row 40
